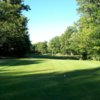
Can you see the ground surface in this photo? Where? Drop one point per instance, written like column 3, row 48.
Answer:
column 49, row 79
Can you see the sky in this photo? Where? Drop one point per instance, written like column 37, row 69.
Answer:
column 49, row 18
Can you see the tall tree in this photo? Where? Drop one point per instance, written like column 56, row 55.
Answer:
column 65, row 40
column 90, row 25
column 14, row 38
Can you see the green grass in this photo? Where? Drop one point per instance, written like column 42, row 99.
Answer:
column 49, row 79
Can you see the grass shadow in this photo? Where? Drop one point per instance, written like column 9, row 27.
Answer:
column 75, row 85
column 55, row 57
column 18, row 62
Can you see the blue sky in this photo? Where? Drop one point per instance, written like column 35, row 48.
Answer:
column 49, row 18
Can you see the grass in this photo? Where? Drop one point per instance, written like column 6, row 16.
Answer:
column 49, row 79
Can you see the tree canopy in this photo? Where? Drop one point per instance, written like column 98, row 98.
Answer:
column 14, row 38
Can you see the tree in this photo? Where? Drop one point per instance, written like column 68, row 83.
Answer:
column 89, row 26
column 40, row 47
column 14, row 38
column 54, row 45
column 65, row 40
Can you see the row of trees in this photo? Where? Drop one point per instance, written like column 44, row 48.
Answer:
column 63, row 44
column 83, row 38
column 14, row 38
column 40, row 48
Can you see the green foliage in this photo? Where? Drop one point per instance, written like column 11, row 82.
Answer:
column 40, row 47
column 89, row 24
column 83, row 38
column 54, row 45
column 65, row 40
column 14, row 39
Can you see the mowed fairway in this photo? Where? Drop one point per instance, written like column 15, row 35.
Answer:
column 49, row 79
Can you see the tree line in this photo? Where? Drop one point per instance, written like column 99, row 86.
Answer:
column 83, row 38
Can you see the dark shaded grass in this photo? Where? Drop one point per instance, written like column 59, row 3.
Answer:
column 55, row 57
column 47, row 56
column 18, row 62
column 77, row 85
